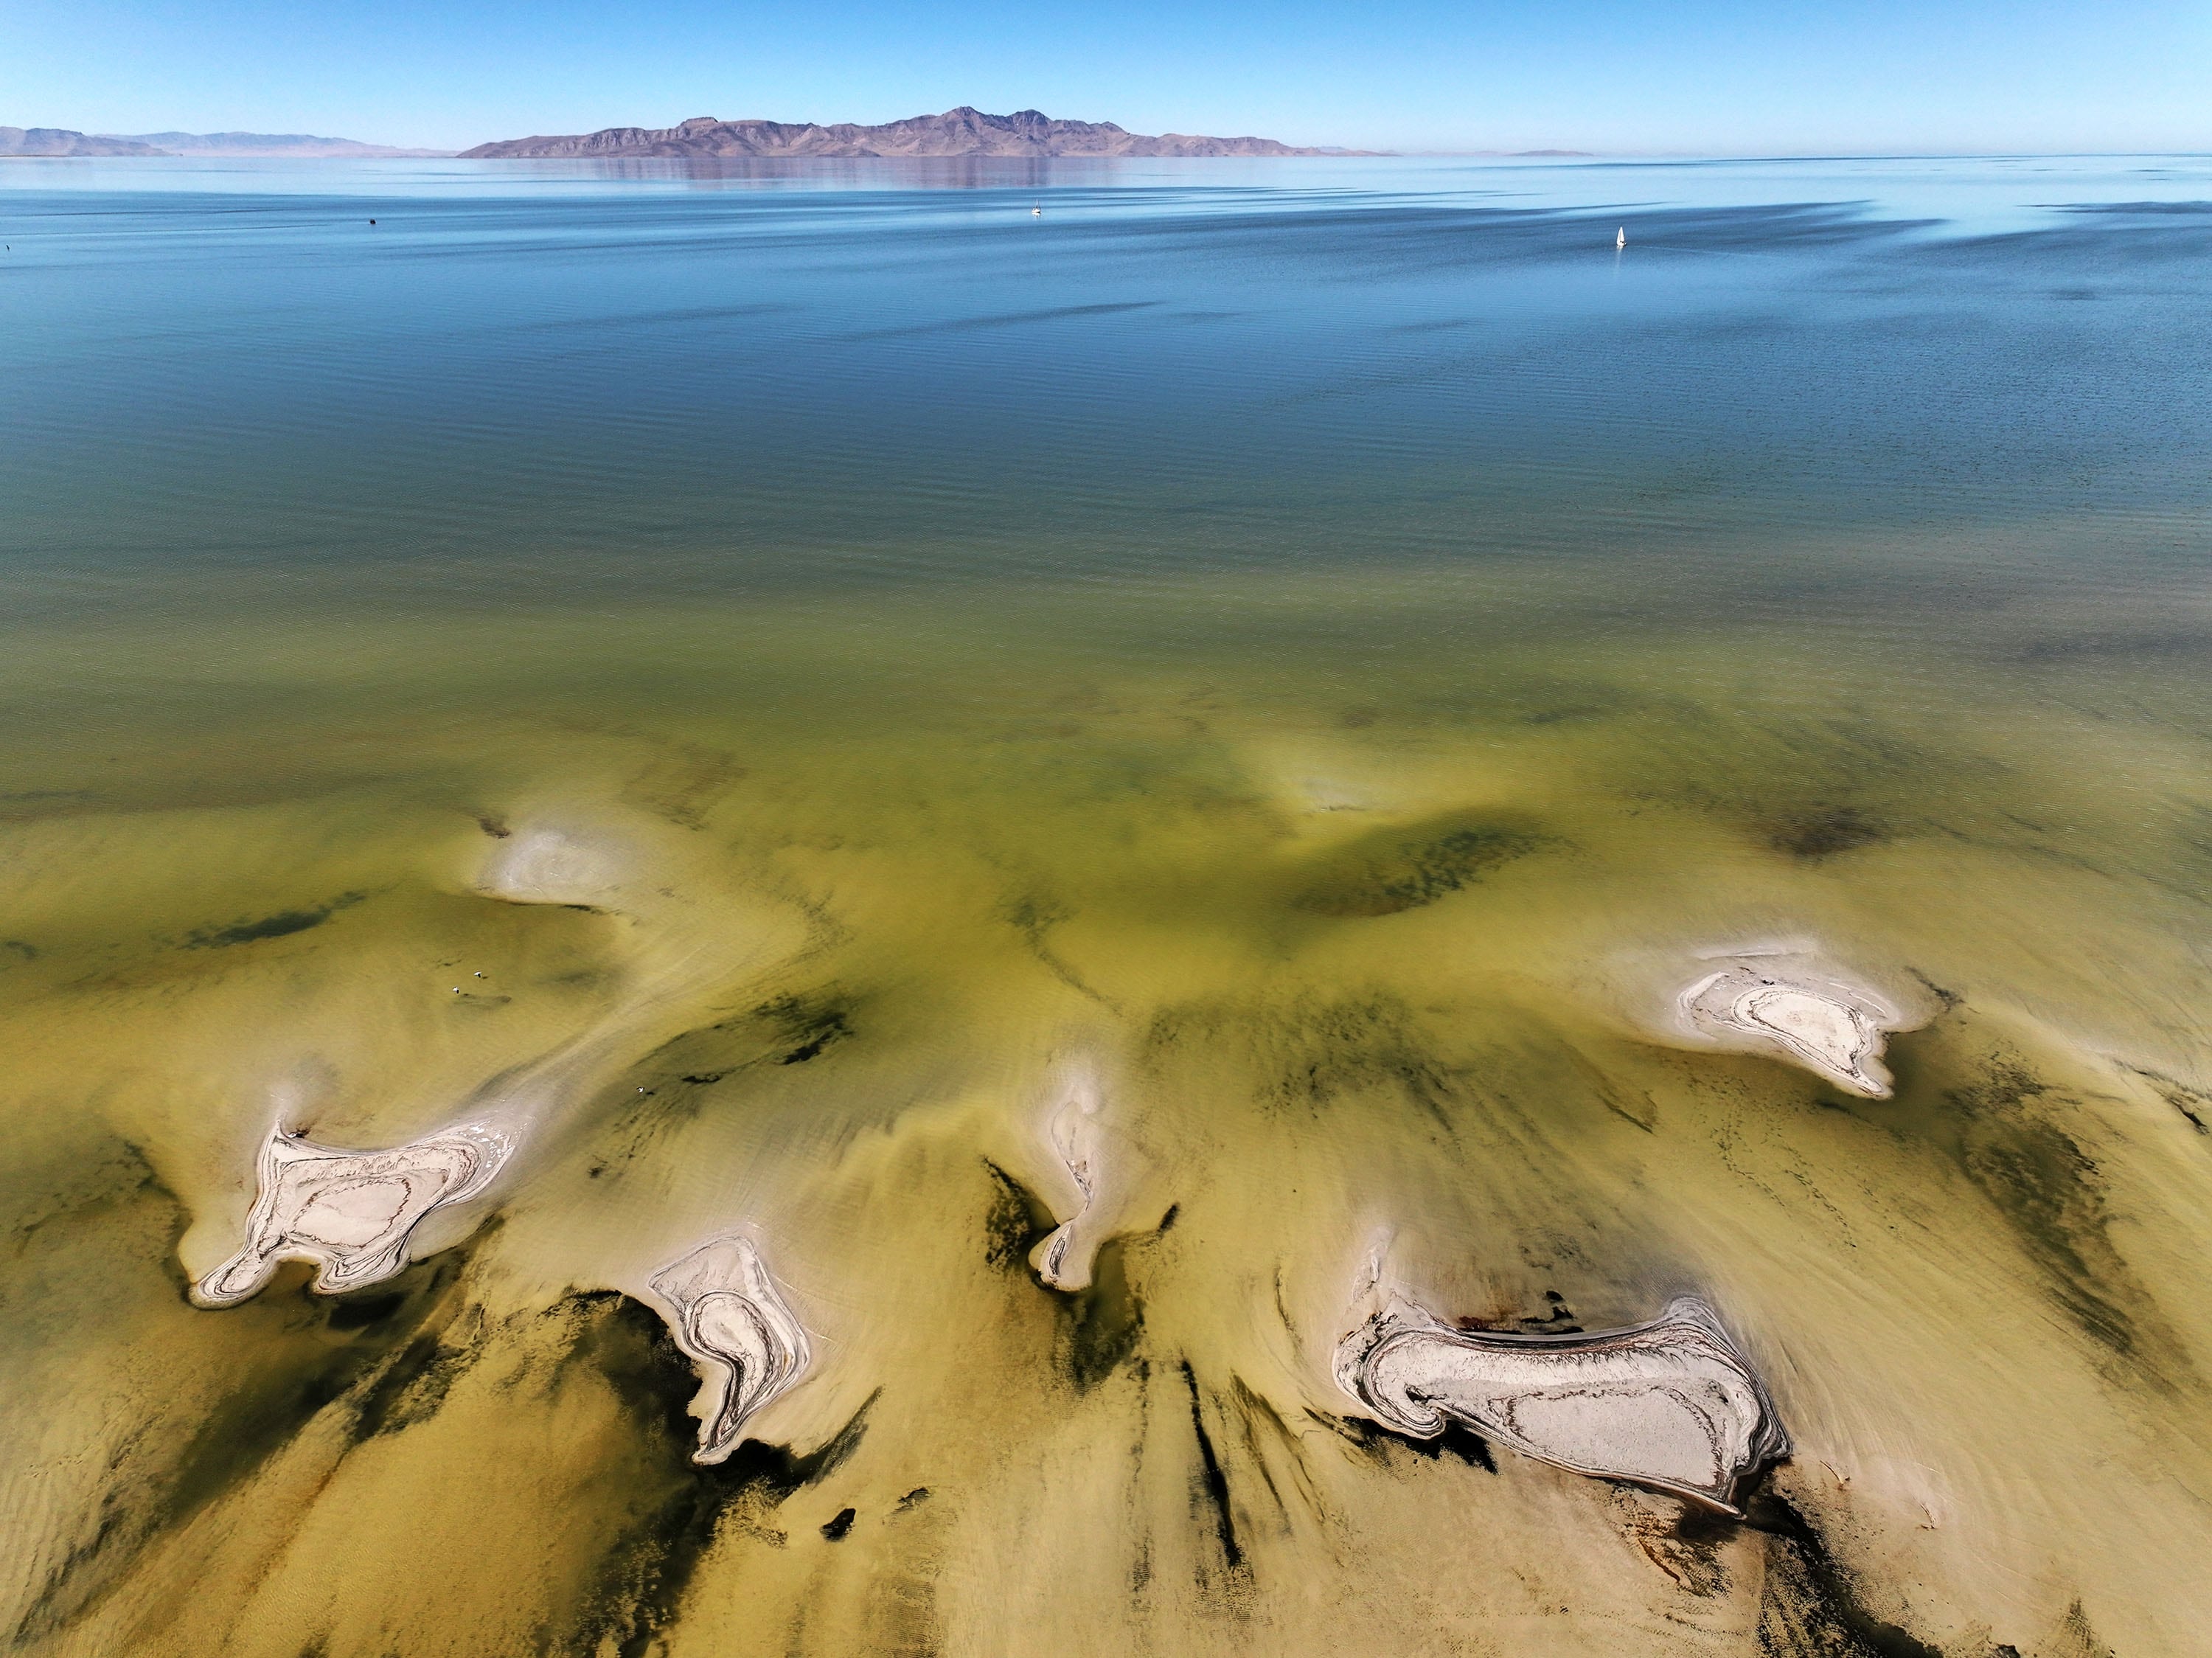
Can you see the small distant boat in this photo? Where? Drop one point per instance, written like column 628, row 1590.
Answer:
column 1620, row 239
column 1038, row 212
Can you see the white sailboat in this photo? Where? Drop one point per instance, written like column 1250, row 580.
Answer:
column 1620, row 239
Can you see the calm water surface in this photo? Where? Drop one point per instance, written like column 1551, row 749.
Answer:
column 1302, row 656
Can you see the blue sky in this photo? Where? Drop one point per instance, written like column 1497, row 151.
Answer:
column 1707, row 76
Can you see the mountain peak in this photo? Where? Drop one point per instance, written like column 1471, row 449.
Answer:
column 964, row 131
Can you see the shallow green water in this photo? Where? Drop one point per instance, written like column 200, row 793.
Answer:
column 1309, row 654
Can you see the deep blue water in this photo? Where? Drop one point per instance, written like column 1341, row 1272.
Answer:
column 719, row 380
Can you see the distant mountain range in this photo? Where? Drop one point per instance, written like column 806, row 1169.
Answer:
column 60, row 141
column 961, row 131
column 302, row 144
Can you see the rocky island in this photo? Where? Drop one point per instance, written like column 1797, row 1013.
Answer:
column 963, row 131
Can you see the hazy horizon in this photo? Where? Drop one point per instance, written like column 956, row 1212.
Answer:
column 452, row 151
column 1716, row 78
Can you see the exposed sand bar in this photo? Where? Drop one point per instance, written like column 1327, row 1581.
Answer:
column 1798, row 1009
column 353, row 1213
column 727, row 1316
column 350, row 1212
column 1062, row 1260
column 1671, row 1403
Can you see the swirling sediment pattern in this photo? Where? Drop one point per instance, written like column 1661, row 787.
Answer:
column 787, row 888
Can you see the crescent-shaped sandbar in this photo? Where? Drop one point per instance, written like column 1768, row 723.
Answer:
column 727, row 1317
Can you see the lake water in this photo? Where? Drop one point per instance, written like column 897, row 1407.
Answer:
column 1302, row 660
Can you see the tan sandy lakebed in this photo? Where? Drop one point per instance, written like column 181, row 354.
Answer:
column 1311, row 966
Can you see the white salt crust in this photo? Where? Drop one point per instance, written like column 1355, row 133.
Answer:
column 1795, row 1007
column 1671, row 1404
column 748, row 1344
column 350, row 1212
column 1062, row 1259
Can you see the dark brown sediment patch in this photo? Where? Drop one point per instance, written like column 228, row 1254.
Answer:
column 30, row 805
column 1015, row 1223
column 411, row 1388
column 637, row 1588
column 684, row 783
column 1080, row 1261
column 674, row 1084
column 2195, row 1104
column 1811, row 1605
column 1820, row 831
column 1267, row 1437
column 302, row 1356
column 1392, row 871
column 1309, row 1053
column 282, row 925
column 2052, row 1194
column 2017, row 1136
column 1034, row 916
column 1685, row 1540
column 808, row 1024
column 1945, row 1000
column 790, row 1028
column 2074, row 1637
column 1101, row 1322
column 1458, row 1442
column 1556, row 1319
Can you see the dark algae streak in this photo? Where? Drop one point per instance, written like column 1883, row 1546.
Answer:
column 2051, row 1191
column 1812, row 1606
column 807, row 1024
column 1016, row 1223
column 638, row 1587
column 1103, row 1321
column 1822, row 831
column 785, row 1030
column 1385, row 874
column 1213, row 1481
column 282, row 925
column 1099, row 1323
column 1458, row 1442
column 302, row 1354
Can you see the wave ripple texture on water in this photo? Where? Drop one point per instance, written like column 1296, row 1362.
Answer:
column 884, row 862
